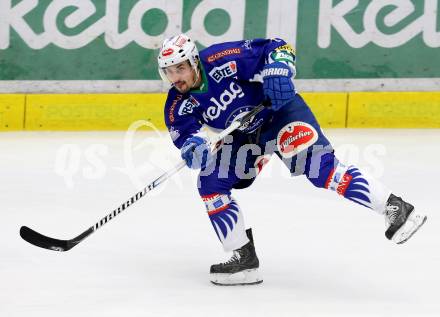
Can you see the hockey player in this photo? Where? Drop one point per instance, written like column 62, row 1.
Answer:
column 221, row 83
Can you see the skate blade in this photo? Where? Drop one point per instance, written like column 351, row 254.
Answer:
column 411, row 226
column 246, row 277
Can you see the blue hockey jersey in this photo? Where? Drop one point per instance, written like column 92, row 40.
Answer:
column 231, row 85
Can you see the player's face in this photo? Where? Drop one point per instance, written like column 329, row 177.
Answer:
column 182, row 76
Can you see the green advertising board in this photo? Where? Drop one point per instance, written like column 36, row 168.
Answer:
column 63, row 40
column 369, row 39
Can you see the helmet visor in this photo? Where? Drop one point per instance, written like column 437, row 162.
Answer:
column 174, row 72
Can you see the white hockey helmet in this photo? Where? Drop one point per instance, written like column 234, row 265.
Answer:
column 175, row 50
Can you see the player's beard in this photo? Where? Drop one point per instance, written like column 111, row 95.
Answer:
column 183, row 86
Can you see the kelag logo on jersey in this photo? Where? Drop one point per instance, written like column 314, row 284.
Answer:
column 188, row 106
column 226, row 98
column 226, row 70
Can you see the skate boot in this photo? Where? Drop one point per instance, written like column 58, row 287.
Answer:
column 240, row 269
column 402, row 220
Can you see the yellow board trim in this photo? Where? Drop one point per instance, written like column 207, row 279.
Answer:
column 11, row 112
column 394, row 110
column 329, row 108
column 107, row 112
column 93, row 112
column 118, row 111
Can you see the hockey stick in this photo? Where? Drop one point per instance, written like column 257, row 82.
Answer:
column 46, row 242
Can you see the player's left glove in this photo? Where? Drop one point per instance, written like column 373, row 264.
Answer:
column 277, row 84
column 196, row 152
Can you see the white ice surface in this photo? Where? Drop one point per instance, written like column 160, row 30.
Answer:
column 320, row 255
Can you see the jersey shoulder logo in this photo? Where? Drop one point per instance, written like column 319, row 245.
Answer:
column 226, row 70
column 188, row 106
column 247, row 44
column 287, row 48
column 284, row 53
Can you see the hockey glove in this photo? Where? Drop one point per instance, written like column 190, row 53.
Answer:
column 196, row 152
column 277, row 84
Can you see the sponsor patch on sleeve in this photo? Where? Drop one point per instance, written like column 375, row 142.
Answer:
column 287, row 48
column 284, row 53
column 173, row 107
column 282, row 56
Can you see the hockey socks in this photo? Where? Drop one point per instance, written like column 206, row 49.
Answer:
column 350, row 182
column 227, row 220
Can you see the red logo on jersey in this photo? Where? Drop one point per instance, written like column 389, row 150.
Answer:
column 173, row 107
column 167, row 52
column 295, row 137
column 219, row 55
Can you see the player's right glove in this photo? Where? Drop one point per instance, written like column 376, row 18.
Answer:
column 277, row 84
column 196, row 152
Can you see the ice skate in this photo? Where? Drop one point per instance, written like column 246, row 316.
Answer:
column 240, row 269
column 402, row 220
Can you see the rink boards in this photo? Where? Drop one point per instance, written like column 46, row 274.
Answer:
column 101, row 112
